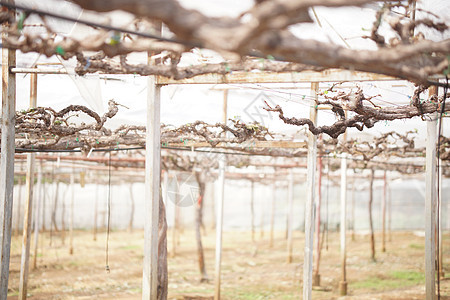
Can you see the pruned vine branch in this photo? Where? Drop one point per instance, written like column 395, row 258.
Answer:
column 44, row 128
column 365, row 116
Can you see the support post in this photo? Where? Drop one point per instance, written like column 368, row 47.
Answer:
column 309, row 208
column 290, row 215
column 166, row 187
column 343, row 225
column 316, row 277
column 176, row 219
column 130, row 223
column 353, row 208
column 372, row 233
column 219, row 225
column 272, row 213
column 383, row 214
column 441, row 223
column 24, row 262
column 27, row 219
column 430, row 209
column 97, row 196
column 44, row 196
column 219, row 213
column 37, row 216
column 72, row 192
column 252, row 209
column 152, row 185
column 7, row 162
column 19, row 204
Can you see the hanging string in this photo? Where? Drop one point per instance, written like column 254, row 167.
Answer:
column 438, row 188
column 108, row 230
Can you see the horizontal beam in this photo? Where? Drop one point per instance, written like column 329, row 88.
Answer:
column 38, row 71
column 331, row 75
column 245, row 145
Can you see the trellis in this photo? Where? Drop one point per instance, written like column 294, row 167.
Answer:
column 153, row 181
column 153, row 145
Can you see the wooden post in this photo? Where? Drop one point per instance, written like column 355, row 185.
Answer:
column 219, row 224
column 24, row 262
column 343, row 225
column 372, row 234
column 263, row 209
column 383, row 214
column 309, row 208
column 63, row 216
column 272, row 212
column 27, row 219
column 19, row 205
column 166, row 186
column 72, row 190
column 7, row 162
column 441, row 224
column 316, row 277
column 290, row 215
column 389, row 213
column 152, row 186
column 176, row 217
column 219, row 213
column 37, row 217
column 430, row 208
column 97, row 195
column 213, row 207
column 44, row 196
column 252, row 209
column 130, row 223
column 353, row 208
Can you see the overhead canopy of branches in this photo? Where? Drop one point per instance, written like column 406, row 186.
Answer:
column 262, row 31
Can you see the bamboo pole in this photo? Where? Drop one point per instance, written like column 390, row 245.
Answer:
column 53, row 226
column 372, row 234
column 389, row 212
column 25, row 259
column 130, row 223
column 19, row 205
column 309, row 209
column 353, row 209
column 37, row 217
column 7, row 161
column 97, row 196
column 441, row 224
column 219, row 214
column 263, row 209
column 316, row 276
column 176, row 217
column 272, row 213
column 252, row 209
column 63, row 216
column 430, row 208
column 44, row 197
column 290, row 216
column 27, row 219
column 219, row 225
column 383, row 214
column 72, row 196
column 343, row 225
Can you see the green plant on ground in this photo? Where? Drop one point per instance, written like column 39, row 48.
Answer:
column 395, row 279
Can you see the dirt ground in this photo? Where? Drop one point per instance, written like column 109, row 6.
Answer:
column 249, row 270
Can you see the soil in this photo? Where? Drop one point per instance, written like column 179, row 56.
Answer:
column 249, row 270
